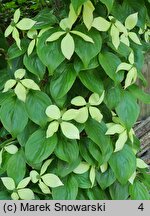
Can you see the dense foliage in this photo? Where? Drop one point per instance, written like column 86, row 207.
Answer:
column 68, row 102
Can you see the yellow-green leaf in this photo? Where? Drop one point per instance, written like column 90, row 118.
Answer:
column 104, row 167
column 17, row 15
column 44, row 188
column 65, row 24
column 67, row 46
column 95, row 113
column 11, row 149
column 34, row 176
column 133, row 36
column 124, row 66
column 95, row 99
column 15, row 35
column 26, row 194
column 92, row 175
column 114, row 32
column 115, row 128
column 31, row 47
column 9, row 84
column 14, row 196
column 82, row 168
column 21, row 92
column 82, row 115
column 83, row 36
column 141, row 164
column 55, row 36
column 78, row 101
column 23, row 183
column 45, row 166
column 101, row 24
column 88, row 9
column 8, row 183
column 124, row 39
column 53, row 112
column 25, row 24
column 131, row 77
column 52, row 128
column 30, row 84
column 8, row 31
column 131, row 21
column 69, row 130
column 70, row 114
column 20, row 73
column 121, row 141
column 52, row 180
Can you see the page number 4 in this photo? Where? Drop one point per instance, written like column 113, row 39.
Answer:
column 141, row 207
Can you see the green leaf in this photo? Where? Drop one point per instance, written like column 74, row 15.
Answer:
column 84, row 146
column 105, row 179
column 67, row 192
column 119, row 191
column 62, row 81
column 67, row 150
column 128, row 110
column 96, row 193
column 16, row 166
column 49, row 53
column 4, row 195
column 95, row 151
column 77, row 3
column 36, row 104
column 34, row 65
column 13, row 116
column 63, row 168
column 38, row 147
column 108, row 4
column 83, row 180
column 96, row 132
column 44, row 19
column 139, row 93
column 14, row 51
column 112, row 96
column 123, row 164
column 67, row 46
column 109, row 63
column 138, row 191
column 85, row 50
column 92, row 80
column 25, row 24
